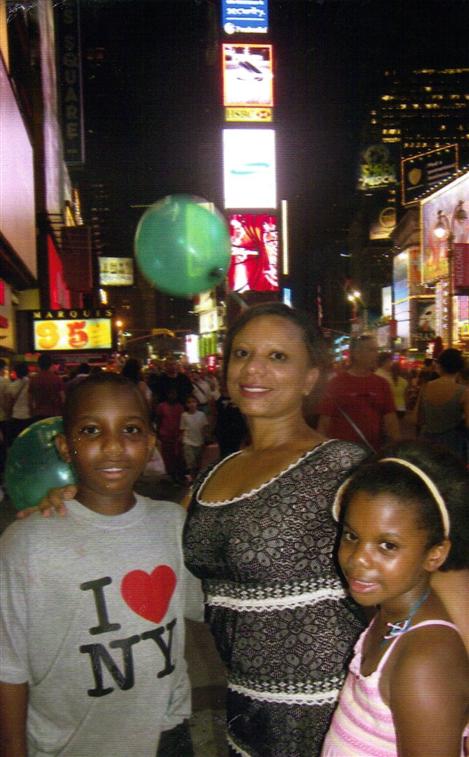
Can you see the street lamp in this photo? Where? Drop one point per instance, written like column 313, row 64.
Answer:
column 120, row 336
column 355, row 298
column 444, row 229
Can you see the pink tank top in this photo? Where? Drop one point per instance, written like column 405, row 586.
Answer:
column 362, row 725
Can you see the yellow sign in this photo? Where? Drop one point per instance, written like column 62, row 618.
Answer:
column 162, row 332
column 263, row 115
column 83, row 334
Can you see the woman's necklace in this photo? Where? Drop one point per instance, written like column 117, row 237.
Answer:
column 401, row 626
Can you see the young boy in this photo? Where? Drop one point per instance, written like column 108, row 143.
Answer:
column 92, row 605
column 193, row 426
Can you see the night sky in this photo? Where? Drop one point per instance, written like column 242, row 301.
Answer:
column 153, row 115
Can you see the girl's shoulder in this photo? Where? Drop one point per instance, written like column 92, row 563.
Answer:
column 431, row 653
column 432, row 647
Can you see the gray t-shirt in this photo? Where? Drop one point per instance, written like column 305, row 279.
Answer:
column 92, row 614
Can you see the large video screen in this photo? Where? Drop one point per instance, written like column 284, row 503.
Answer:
column 247, row 75
column 249, row 174
column 254, row 253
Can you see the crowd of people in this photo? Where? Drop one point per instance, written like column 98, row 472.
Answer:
column 283, row 584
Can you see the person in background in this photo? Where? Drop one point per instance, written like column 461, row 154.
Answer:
column 384, row 363
column 18, row 392
column 230, row 429
column 46, row 390
column 390, row 370
column 93, row 606
column 443, row 405
column 194, row 427
column 132, row 369
column 201, row 390
column 428, row 371
column 412, row 391
column 5, row 407
column 168, row 423
column 404, row 520
column 83, row 370
column 171, row 378
column 358, row 405
column 260, row 535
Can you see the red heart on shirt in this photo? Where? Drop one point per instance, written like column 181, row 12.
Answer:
column 149, row 594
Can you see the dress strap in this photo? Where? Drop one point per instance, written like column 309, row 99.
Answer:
column 422, row 624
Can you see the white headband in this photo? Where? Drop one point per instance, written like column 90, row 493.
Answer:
column 418, row 472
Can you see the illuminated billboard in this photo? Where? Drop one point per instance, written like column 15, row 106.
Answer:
column 254, row 253
column 17, row 204
column 72, row 330
column 247, row 75
column 245, row 16
column 116, row 272
column 249, row 175
column 377, row 168
column 401, row 277
column 434, row 250
column 420, row 172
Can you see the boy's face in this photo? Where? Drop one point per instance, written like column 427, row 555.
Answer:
column 109, row 443
column 191, row 405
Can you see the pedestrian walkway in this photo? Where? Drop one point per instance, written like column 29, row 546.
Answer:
column 205, row 669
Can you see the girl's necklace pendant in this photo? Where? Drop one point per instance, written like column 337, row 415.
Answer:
column 401, row 626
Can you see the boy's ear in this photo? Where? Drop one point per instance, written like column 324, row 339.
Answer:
column 62, row 448
column 436, row 556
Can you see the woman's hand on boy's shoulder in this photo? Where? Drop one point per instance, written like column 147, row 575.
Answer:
column 52, row 504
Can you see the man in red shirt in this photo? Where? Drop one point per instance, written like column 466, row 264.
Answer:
column 46, row 391
column 358, row 405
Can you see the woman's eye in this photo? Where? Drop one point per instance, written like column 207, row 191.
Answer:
column 240, row 352
column 278, row 356
column 348, row 536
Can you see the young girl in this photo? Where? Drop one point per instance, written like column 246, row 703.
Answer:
column 403, row 517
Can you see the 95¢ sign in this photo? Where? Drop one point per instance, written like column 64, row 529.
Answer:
column 77, row 334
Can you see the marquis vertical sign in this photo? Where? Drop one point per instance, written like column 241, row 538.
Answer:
column 70, row 81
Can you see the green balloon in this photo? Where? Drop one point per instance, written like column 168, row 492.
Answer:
column 181, row 247
column 34, row 466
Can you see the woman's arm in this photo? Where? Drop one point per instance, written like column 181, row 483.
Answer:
column 13, row 711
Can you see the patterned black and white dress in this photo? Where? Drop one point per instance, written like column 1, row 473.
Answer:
column 280, row 618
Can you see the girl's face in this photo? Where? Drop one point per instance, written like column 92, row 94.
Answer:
column 269, row 371
column 109, row 443
column 383, row 551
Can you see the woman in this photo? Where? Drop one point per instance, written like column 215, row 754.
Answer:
column 18, row 394
column 260, row 534
column 443, row 405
